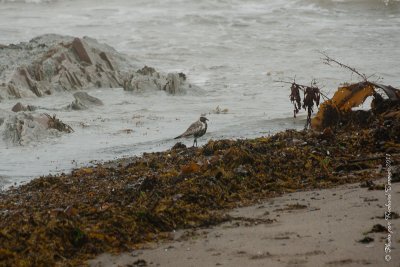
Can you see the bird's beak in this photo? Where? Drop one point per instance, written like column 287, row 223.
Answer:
column 206, row 119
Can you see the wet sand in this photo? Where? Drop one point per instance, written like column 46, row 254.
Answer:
column 312, row 228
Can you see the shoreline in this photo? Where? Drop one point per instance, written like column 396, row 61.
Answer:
column 298, row 166
column 310, row 228
column 117, row 208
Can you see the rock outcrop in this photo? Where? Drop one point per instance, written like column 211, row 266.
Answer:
column 52, row 63
column 23, row 128
column 149, row 79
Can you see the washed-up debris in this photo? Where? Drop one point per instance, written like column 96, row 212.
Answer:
column 372, row 186
column 261, row 256
column 311, row 95
column 140, row 263
column 126, row 131
column 378, row 228
column 389, row 216
column 219, row 110
column 55, row 123
column 366, row 240
column 179, row 145
column 291, row 207
column 338, row 110
column 118, row 206
column 246, row 221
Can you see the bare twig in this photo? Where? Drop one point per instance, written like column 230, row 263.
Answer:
column 328, row 61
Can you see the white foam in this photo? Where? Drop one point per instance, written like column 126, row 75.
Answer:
column 226, row 47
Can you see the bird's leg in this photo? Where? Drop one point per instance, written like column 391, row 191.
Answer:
column 195, row 142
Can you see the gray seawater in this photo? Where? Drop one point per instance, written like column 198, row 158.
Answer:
column 234, row 50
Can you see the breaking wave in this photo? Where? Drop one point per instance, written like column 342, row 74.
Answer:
column 356, row 3
column 28, row 1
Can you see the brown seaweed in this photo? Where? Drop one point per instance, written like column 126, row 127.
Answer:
column 55, row 123
column 117, row 206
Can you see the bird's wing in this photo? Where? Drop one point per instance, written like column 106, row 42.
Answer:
column 194, row 128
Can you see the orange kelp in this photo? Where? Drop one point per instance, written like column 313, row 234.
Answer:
column 339, row 108
column 116, row 206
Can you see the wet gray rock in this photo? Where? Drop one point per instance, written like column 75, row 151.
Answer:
column 172, row 83
column 20, row 107
column 23, row 128
column 52, row 63
column 146, row 70
column 84, row 101
column 176, row 84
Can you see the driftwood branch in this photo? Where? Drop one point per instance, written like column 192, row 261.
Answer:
column 328, row 61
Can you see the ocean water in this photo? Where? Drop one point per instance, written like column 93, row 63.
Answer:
column 234, row 50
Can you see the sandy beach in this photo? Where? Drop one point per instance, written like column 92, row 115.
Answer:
column 312, row 228
column 199, row 133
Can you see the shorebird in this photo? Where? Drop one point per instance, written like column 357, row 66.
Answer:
column 197, row 129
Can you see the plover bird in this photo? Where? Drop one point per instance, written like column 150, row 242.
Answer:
column 197, row 129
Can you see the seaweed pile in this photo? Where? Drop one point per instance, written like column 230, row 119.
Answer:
column 338, row 111
column 55, row 123
column 117, row 206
